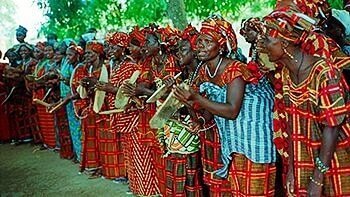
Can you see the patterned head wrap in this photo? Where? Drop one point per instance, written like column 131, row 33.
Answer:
column 77, row 49
column 138, row 35
column 221, row 30
column 168, row 36
column 95, row 46
column 298, row 29
column 21, row 30
column 312, row 8
column 253, row 23
column 343, row 17
column 119, row 38
column 191, row 34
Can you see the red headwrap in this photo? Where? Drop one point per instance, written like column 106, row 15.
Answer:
column 221, row 30
column 120, row 39
column 253, row 23
column 168, row 36
column 190, row 34
column 95, row 46
column 77, row 49
column 297, row 28
column 312, row 8
column 138, row 35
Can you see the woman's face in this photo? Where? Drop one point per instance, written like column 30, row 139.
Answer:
column 251, row 35
column 49, row 52
column 273, row 47
column 12, row 56
column 24, row 52
column 58, row 56
column 151, row 47
column 207, row 47
column 38, row 53
column 91, row 56
column 116, row 51
column 20, row 37
column 185, row 53
column 135, row 50
column 72, row 56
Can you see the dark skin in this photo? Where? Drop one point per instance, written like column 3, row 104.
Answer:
column 299, row 72
column 117, row 53
column 141, row 88
column 20, row 37
column 209, row 52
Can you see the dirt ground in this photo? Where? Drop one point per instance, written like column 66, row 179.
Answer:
column 27, row 171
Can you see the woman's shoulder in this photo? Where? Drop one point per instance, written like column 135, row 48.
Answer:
column 235, row 69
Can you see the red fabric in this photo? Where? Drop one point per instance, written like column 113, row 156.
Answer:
column 66, row 148
column 126, row 121
column 5, row 134
column 92, row 123
column 47, row 127
column 211, row 161
column 141, row 168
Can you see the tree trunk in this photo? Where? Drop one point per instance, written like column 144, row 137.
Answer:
column 177, row 14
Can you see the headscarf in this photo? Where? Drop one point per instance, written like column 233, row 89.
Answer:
column 343, row 17
column 77, row 49
column 95, row 46
column 139, row 35
column 297, row 28
column 221, row 30
column 254, row 23
column 312, row 8
column 191, row 34
column 168, row 36
column 21, row 30
column 119, row 38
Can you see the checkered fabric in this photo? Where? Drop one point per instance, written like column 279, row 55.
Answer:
column 251, row 179
column 322, row 99
column 61, row 121
column 183, row 175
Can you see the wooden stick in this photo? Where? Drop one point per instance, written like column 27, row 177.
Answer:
column 113, row 111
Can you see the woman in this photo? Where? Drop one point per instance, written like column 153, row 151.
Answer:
column 139, row 136
column 84, row 78
column 112, row 139
column 74, row 54
column 242, row 108
column 41, row 92
column 182, row 145
column 316, row 100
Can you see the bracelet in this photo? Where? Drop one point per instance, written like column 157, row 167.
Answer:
column 321, row 166
column 316, row 182
column 202, row 118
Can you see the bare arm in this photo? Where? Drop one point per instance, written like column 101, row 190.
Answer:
column 229, row 110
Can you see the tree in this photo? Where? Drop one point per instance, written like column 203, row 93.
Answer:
column 72, row 17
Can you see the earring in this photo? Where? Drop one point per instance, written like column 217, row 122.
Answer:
column 289, row 55
column 160, row 52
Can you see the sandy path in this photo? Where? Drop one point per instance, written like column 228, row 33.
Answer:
column 26, row 172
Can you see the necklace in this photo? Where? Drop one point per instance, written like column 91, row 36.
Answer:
column 301, row 63
column 194, row 74
column 216, row 69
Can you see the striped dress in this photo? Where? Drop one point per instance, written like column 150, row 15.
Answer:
column 247, row 149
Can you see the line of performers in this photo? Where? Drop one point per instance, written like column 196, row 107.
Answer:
column 180, row 113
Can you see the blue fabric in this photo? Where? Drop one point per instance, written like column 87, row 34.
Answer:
column 73, row 121
column 251, row 132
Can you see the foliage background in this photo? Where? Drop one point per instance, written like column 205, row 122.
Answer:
column 69, row 18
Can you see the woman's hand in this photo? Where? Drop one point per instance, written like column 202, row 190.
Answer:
column 195, row 126
column 313, row 189
column 184, row 95
column 168, row 81
column 290, row 182
column 128, row 89
column 107, row 87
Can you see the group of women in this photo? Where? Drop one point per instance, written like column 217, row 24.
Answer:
column 180, row 113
